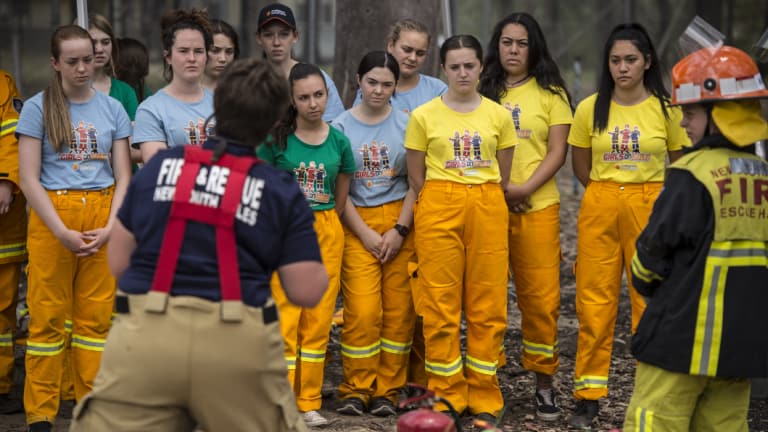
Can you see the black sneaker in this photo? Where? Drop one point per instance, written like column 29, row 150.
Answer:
column 546, row 405
column 382, row 407
column 585, row 414
column 42, row 426
column 352, row 406
column 9, row 405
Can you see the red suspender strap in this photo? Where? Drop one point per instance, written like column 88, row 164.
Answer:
column 223, row 218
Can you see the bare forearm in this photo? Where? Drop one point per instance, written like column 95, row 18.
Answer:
column 557, row 149
column 417, row 170
column 341, row 192
column 406, row 213
column 582, row 163
column 38, row 200
column 505, row 157
column 353, row 220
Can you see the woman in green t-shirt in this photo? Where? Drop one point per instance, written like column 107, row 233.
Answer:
column 105, row 52
column 320, row 159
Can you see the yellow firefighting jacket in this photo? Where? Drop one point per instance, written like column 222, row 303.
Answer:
column 13, row 224
column 703, row 261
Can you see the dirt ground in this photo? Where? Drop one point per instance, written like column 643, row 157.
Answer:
column 517, row 385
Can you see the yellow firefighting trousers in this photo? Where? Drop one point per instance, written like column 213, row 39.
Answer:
column 664, row 401
column 611, row 218
column 534, row 255
column 306, row 330
column 461, row 242
column 13, row 250
column 59, row 284
column 378, row 312
column 10, row 275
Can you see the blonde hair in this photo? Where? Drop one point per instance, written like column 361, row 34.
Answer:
column 55, row 109
column 407, row 24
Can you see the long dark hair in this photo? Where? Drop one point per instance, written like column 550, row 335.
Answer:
column 287, row 124
column 652, row 78
column 540, row 63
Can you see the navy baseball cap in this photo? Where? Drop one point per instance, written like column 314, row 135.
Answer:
column 276, row 12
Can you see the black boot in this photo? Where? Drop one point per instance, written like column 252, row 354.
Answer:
column 42, row 426
column 9, row 405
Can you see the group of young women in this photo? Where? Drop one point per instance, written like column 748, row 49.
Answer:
column 425, row 196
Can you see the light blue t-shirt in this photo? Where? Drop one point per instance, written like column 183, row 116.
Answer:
column 333, row 107
column 427, row 89
column 161, row 117
column 85, row 162
column 381, row 175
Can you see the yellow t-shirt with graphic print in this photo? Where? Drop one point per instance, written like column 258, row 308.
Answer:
column 534, row 110
column 461, row 147
column 634, row 146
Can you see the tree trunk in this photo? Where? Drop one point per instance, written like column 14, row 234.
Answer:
column 356, row 36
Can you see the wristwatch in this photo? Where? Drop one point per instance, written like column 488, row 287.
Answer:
column 402, row 230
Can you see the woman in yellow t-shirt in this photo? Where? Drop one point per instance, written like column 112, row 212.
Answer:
column 519, row 73
column 621, row 137
column 459, row 155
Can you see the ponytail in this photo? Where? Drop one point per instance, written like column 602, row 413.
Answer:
column 56, row 118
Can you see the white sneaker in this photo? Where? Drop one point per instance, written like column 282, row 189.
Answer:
column 314, row 419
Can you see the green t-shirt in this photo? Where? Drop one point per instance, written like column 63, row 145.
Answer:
column 124, row 94
column 314, row 167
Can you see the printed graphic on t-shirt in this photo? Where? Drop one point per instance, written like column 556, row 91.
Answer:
column 83, row 145
column 516, row 111
column 311, row 177
column 199, row 132
column 466, row 151
column 625, row 147
column 376, row 166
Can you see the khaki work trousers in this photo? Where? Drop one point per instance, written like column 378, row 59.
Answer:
column 186, row 368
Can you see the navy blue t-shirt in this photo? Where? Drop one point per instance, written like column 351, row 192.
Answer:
column 273, row 227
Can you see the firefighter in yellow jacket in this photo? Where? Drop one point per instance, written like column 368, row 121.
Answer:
column 702, row 260
column 13, row 229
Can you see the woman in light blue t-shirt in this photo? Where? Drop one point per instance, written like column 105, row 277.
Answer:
column 409, row 42
column 176, row 115
column 74, row 167
column 378, row 307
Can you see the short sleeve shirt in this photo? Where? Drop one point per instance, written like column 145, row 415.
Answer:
column 427, row 89
column 461, row 147
column 634, row 146
column 273, row 227
column 334, row 107
column 85, row 162
column 315, row 167
column 381, row 175
column 161, row 117
column 534, row 110
column 124, row 94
